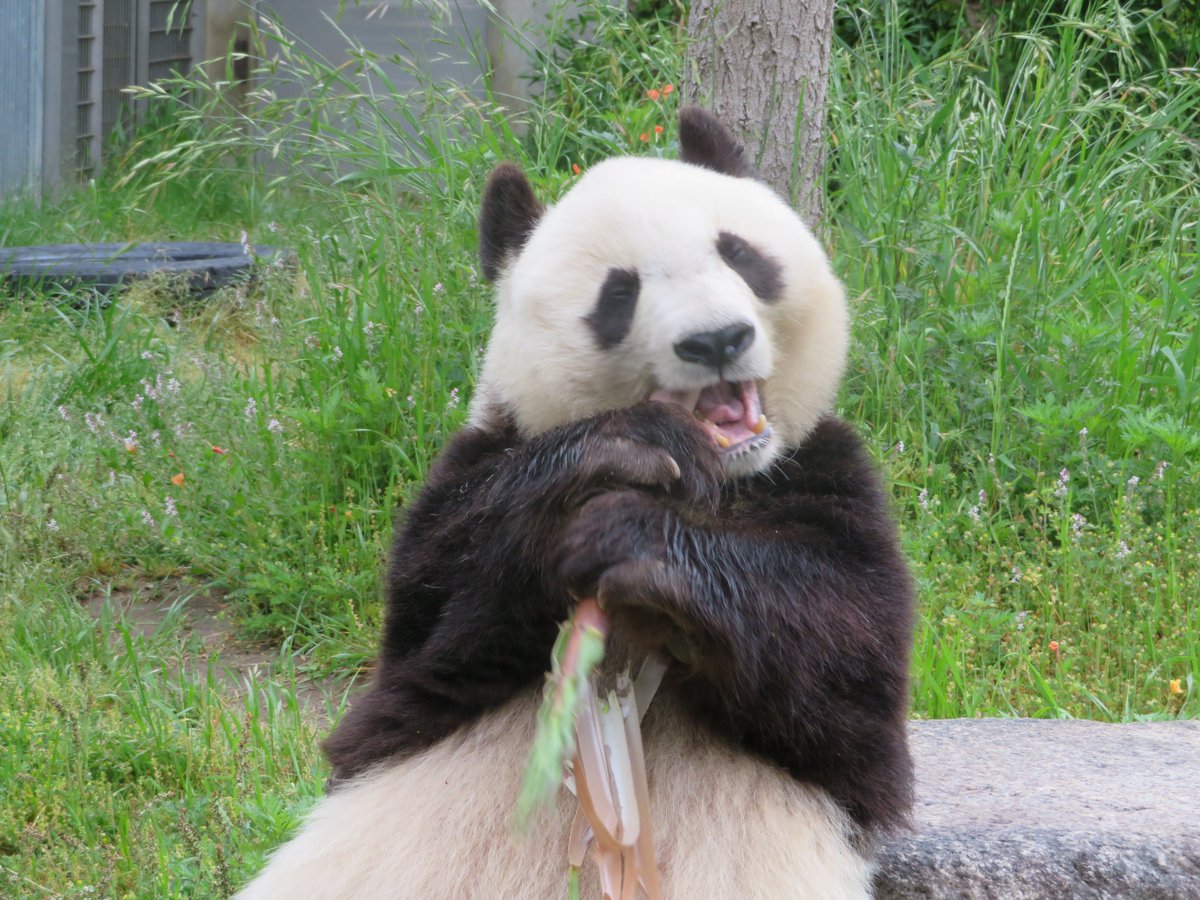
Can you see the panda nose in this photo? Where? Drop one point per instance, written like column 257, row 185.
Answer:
column 716, row 348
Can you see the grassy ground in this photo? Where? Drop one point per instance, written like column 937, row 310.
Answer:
column 1016, row 219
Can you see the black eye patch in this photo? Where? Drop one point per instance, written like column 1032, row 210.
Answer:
column 759, row 271
column 612, row 318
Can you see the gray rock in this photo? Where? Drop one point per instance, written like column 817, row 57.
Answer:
column 1016, row 808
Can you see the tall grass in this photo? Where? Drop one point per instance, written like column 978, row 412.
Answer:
column 1020, row 216
column 1015, row 217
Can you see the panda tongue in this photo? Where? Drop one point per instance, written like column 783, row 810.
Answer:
column 721, row 404
column 727, row 409
column 733, row 410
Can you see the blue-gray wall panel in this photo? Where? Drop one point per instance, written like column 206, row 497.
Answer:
column 22, row 45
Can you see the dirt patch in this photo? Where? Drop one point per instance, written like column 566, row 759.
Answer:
column 201, row 618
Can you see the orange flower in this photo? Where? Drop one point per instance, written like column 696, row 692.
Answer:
column 652, row 94
column 658, row 129
column 177, row 479
column 218, row 450
column 667, row 88
column 575, row 168
column 130, row 447
column 644, row 136
column 1175, row 686
column 1054, row 646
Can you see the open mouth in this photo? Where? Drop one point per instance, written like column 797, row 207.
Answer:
column 730, row 412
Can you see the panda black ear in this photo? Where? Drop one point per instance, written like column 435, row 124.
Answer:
column 704, row 141
column 506, row 218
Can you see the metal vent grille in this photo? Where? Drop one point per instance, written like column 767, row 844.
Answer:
column 87, row 107
column 169, row 49
column 119, row 43
column 120, row 66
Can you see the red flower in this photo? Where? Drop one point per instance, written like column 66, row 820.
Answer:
column 652, row 94
column 575, row 168
column 218, row 450
column 644, row 136
column 658, row 129
column 667, row 88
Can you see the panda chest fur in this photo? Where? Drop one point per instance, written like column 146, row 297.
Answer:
column 653, row 428
column 439, row 826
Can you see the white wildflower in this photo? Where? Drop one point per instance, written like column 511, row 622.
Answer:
column 1060, row 489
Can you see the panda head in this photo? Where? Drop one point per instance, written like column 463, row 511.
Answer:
column 684, row 281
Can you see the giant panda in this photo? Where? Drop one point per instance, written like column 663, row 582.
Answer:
column 653, row 427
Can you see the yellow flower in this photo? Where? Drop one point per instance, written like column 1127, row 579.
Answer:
column 1176, row 686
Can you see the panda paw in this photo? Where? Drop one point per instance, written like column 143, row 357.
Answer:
column 654, row 444
column 616, row 549
column 610, row 529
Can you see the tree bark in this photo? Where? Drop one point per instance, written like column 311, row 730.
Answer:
column 762, row 66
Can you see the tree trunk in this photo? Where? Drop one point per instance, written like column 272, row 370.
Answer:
column 762, row 66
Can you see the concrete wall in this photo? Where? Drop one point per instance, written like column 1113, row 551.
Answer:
column 443, row 38
column 514, row 29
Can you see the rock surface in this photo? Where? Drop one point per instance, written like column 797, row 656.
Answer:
column 1017, row 808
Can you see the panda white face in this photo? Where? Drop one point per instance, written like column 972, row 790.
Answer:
column 655, row 279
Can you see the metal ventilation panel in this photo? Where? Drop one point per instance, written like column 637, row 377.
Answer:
column 87, row 87
column 22, row 55
column 169, row 44
column 120, row 65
